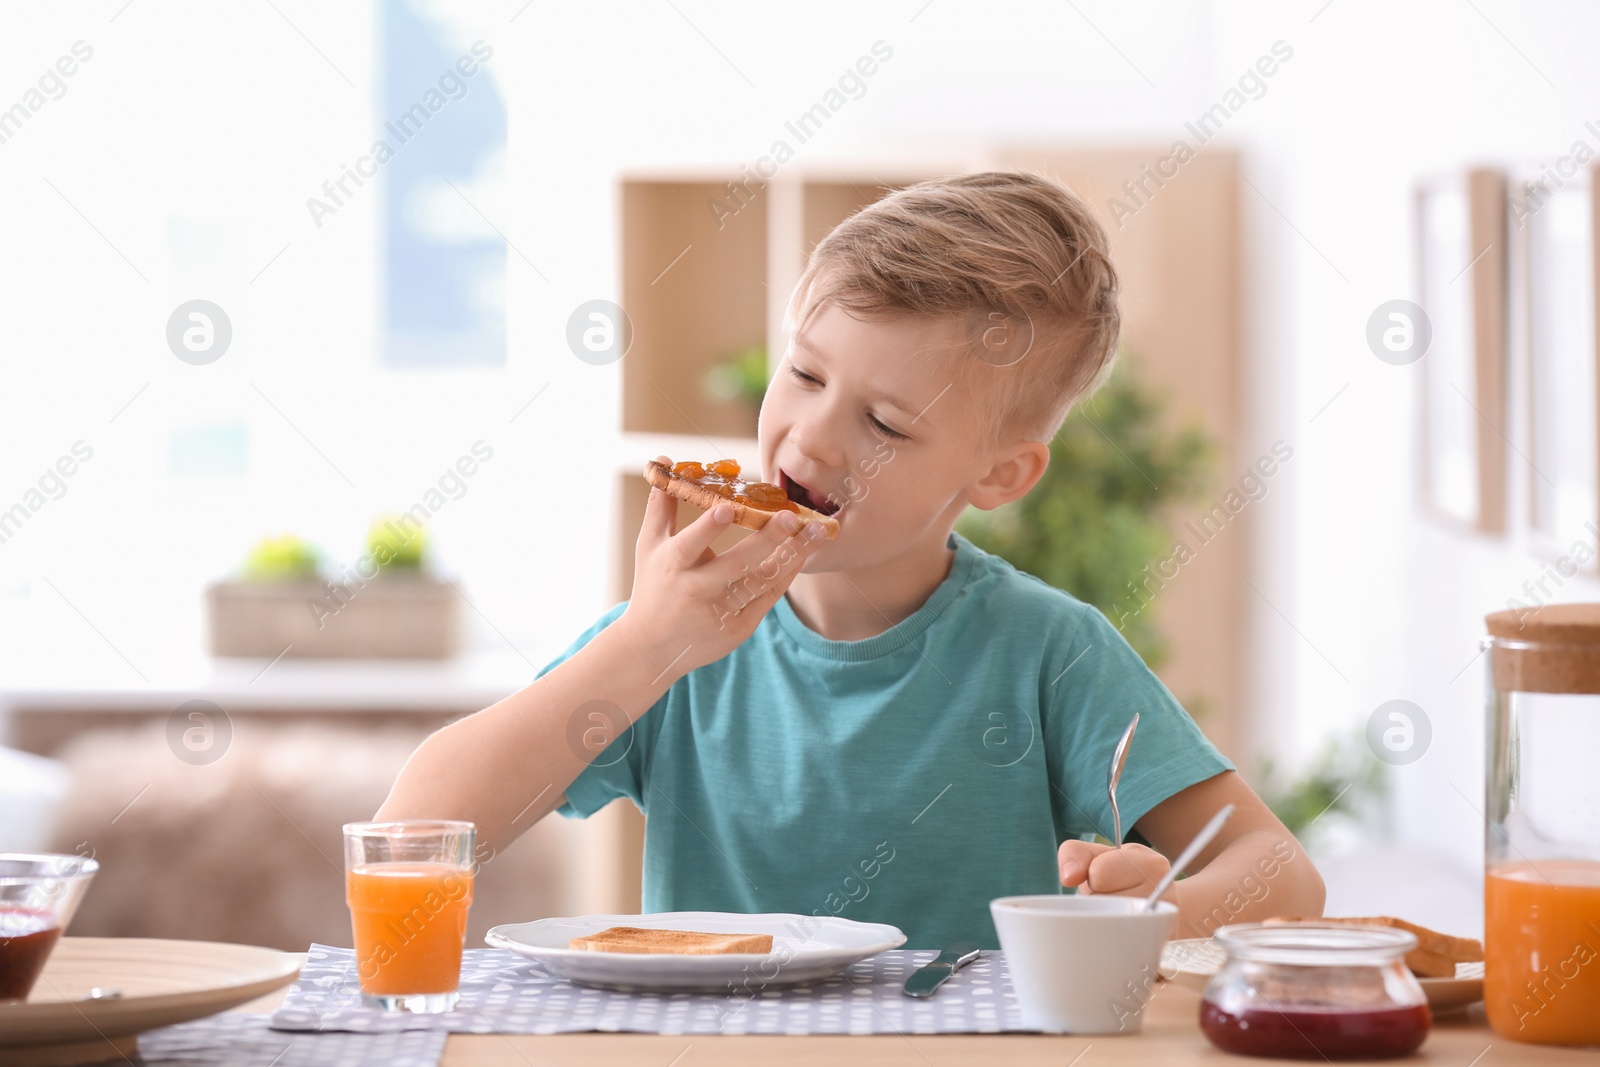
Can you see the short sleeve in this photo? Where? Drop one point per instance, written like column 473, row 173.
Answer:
column 1102, row 682
column 619, row 769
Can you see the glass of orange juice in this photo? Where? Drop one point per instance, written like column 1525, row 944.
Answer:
column 409, row 885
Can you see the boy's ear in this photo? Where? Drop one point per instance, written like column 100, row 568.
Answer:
column 1016, row 470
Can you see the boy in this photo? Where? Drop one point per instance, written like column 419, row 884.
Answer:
column 892, row 725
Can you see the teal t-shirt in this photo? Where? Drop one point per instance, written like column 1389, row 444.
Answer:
column 908, row 778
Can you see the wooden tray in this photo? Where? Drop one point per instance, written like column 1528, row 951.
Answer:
column 162, row 983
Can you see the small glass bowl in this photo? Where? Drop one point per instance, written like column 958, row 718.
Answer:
column 1315, row 991
column 39, row 892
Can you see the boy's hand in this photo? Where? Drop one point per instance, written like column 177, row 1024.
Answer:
column 1132, row 870
column 691, row 606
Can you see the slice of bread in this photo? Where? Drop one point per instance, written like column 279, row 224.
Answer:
column 1436, row 954
column 746, row 515
column 674, row 942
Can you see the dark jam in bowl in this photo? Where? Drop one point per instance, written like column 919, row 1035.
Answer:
column 26, row 938
column 1313, row 1035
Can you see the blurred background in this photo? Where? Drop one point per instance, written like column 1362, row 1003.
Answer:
column 303, row 307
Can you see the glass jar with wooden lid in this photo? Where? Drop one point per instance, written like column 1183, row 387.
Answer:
column 1542, row 853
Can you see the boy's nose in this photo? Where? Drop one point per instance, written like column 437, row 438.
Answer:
column 813, row 440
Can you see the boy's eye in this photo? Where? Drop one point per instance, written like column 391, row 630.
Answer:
column 872, row 420
column 885, row 430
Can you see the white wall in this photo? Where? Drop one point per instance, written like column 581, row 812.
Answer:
column 227, row 112
column 1392, row 600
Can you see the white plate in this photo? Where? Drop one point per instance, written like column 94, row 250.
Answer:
column 1191, row 964
column 805, row 948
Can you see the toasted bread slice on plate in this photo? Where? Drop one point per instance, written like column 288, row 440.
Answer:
column 796, row 948
column 1436, row 954
column 754, row 503
column 679, row 942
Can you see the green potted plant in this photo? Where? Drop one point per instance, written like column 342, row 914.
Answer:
column 1343, row 780
column 280, row 559
column 1101, row 512
column 383, row 606
column 739, row 379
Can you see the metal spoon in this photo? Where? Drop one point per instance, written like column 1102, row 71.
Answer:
column 1118, row 758
column 1186, row 857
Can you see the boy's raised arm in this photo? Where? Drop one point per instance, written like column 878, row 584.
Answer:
column 507, row 766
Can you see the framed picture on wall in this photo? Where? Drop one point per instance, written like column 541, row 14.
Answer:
column 1552, row 240
column 1461, row 263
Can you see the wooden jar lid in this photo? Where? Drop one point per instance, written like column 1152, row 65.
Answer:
column 1549, row 649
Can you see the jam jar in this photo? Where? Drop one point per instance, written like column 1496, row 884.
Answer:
column 1315, row 991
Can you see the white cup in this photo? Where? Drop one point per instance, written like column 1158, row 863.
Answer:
column 1082, row 965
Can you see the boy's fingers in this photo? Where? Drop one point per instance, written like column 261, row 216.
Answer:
column 748, row 554
column 693, row 540
column 764, row 583
column 1112, row 872
column 660, row 512
column 1130, row 869
column 787, row 557
column 1074, row 858
column 660, row 516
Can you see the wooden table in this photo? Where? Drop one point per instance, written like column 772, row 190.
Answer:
column 1171, row 1037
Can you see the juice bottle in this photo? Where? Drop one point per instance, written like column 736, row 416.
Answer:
column 1542, row 842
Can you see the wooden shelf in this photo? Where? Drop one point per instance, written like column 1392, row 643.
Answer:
column 694, row 285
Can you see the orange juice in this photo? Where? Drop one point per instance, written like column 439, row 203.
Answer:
column 1542, row 951
column 410, row 924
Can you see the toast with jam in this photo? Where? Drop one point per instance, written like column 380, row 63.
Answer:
column 705, row 485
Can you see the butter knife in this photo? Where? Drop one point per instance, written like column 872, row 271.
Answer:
column 932, row 975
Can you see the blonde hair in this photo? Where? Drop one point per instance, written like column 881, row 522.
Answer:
column 1017, row 259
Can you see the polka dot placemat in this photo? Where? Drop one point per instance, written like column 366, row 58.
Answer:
column 245, row 1040
column 502, row 992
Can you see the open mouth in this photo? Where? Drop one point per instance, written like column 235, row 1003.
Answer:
column 823, row 503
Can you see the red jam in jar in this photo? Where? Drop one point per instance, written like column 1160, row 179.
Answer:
column 26, row 938
column 1313, row 1035
column 1315, row 991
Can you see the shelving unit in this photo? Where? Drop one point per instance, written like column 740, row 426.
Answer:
column 700, row 283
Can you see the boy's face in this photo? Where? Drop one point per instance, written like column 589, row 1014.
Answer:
column 873, row 416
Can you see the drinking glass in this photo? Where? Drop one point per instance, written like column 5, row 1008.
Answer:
column 409, row 885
